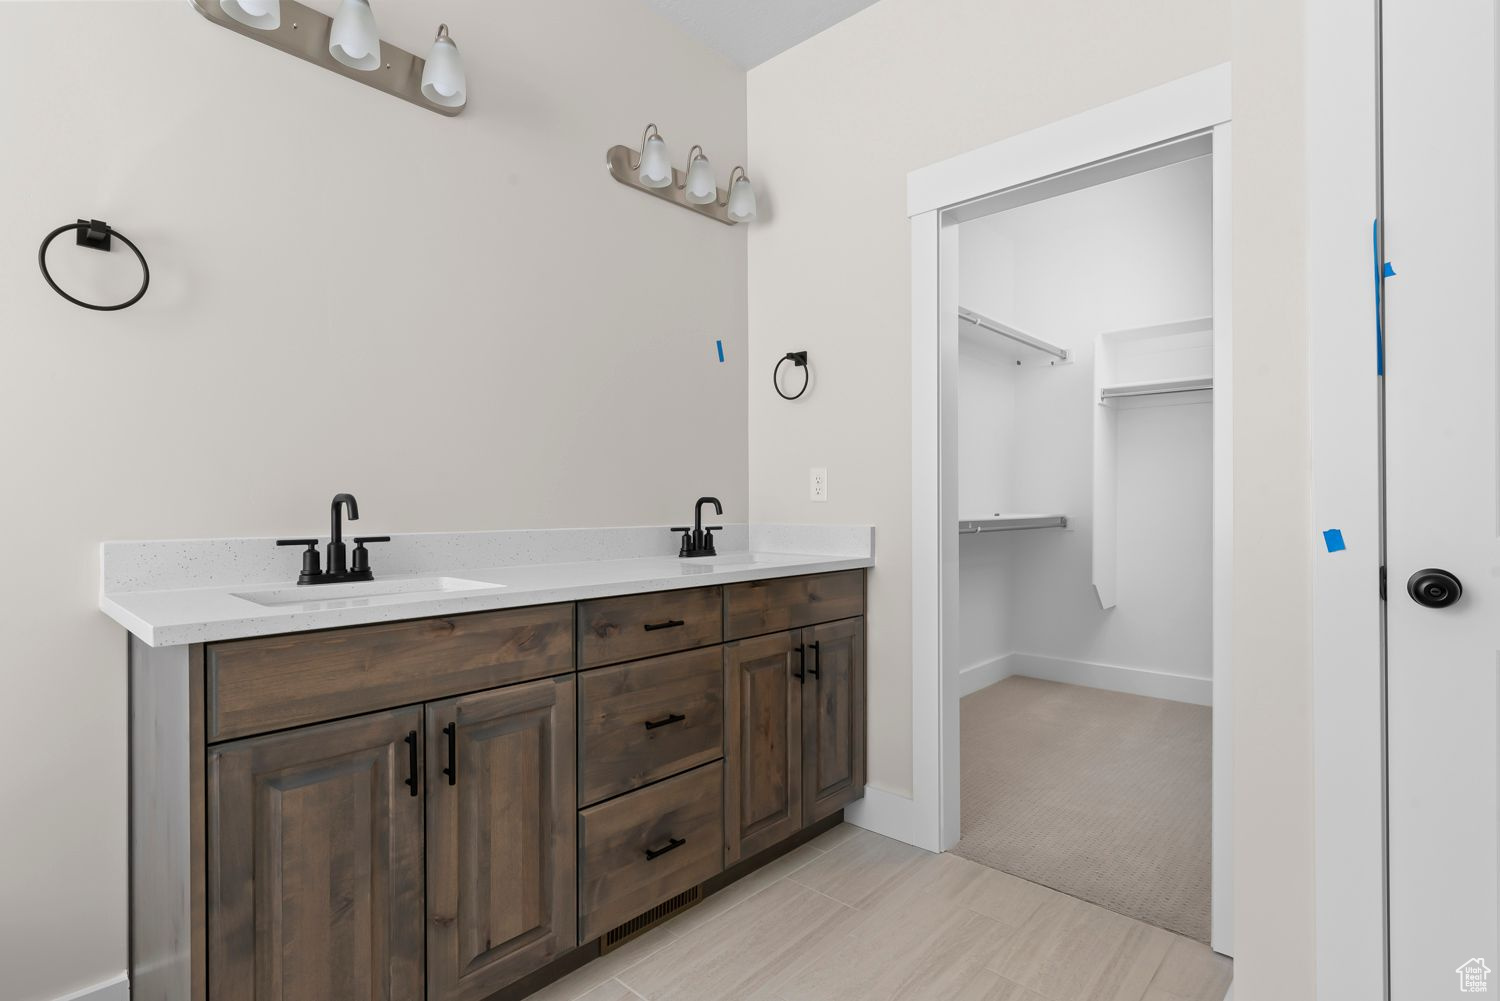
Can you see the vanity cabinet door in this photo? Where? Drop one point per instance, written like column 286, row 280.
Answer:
column 833, row 718
column 315, row 863
column 501, row 837
column 763, row 777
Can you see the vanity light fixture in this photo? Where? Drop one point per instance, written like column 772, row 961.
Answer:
column 443, row 78
column 655, row 166
column 262, row 14
column 349, row 44
column 741, row 200
column 649, row 169
column 699, row 185
column 354, row 40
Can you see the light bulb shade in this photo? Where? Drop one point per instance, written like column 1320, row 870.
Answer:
column 354, row 40
column 742, row 201
column 700, row 182
column 656, row 166
column 443, row 77
column 262, row 14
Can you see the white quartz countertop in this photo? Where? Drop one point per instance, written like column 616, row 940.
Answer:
column 206, row 603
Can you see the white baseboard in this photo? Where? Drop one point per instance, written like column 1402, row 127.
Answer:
column 887, row 813
column 982, row 675
column 116, row 988
column 1110, row 677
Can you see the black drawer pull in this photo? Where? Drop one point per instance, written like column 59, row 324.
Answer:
column 652, row 627
column 652, row 854
column 652, row 724
column 411, row 750
column 817, row 659
column 452, row 770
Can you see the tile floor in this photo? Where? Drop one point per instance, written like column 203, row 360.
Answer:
column 853, row 916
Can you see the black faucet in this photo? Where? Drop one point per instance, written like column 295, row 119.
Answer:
column 339, row 570
column 699, row 541
column 336, row 561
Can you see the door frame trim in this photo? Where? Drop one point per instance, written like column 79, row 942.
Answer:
column 1195, row 104
column 1348, row 708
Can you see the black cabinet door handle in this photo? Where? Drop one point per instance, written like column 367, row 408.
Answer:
column 652, row 627
column 652, row 724
column 800, row 673
column 817, row 659
column 652, row 854
column 451, row 730
column 411, row 754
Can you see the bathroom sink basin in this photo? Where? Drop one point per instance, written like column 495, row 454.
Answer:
column 708, row 564
column 371, row 592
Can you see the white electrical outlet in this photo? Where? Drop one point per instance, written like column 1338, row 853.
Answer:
column 818, row 490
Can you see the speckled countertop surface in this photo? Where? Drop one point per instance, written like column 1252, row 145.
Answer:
column 198, row 591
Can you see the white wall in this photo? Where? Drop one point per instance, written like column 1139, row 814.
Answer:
column 987, row 485
column 465, row 322
column 836, row 124
column 1128, row 253
column 1274, row 537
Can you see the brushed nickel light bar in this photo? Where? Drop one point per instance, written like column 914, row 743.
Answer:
column 649, row 169
column 298, row 30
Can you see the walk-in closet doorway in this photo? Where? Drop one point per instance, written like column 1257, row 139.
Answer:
column 1072, row 476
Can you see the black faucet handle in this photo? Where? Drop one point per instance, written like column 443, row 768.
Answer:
column 359, row 561
column 311, row 566
column 679, row 528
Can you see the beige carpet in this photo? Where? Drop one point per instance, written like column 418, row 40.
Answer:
column 1103, row 796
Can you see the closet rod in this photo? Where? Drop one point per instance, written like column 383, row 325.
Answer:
column 1012, row 523
column 1164, row 387
column 1005, row 330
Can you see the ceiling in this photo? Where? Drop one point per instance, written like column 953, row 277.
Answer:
column 752, row 31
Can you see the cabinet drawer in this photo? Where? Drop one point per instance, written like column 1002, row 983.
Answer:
column 644, row 721
column 647, row 846
column 771, row 606
column 612, row 630
column 273, row 682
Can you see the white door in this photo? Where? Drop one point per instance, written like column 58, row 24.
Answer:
column 1443, row 510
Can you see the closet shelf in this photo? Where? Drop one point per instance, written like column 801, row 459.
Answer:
column 1011, row 523
column 1158, row 388
column 1006, row 330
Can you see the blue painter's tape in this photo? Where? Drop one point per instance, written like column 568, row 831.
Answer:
column 1334, row 540
column 721, row 351
column 1379, row 282
column 1388, row 272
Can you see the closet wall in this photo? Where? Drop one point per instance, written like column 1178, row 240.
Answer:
column 1129, row 253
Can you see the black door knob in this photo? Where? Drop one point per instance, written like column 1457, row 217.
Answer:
column 1434, row 588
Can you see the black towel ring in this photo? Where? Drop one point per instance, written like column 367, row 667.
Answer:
column 799, row 359
column 95, row 235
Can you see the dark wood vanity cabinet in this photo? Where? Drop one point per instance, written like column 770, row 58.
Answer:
column 439, row 808
column 763, row 790
column 796, row 732
column 315, row 863
column 833, row 718
column 422, row 851
column 501, row 837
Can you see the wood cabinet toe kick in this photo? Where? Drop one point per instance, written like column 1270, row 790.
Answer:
column 453, row 808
